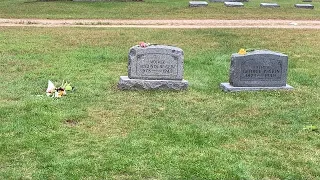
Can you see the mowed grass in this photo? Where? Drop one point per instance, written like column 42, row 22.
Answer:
column 99, row 132
column 153, row 9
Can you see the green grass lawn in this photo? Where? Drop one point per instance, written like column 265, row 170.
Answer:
column 153, row 9
column 99, row 132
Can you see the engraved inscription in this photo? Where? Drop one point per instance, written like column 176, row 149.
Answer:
column 252, row 70
column 156, row 64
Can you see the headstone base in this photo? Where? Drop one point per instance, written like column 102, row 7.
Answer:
column 227, row 87
column 125, row 83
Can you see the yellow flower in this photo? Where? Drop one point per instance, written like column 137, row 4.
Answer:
column 242, row 52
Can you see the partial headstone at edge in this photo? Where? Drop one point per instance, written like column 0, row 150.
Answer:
column 257, row 70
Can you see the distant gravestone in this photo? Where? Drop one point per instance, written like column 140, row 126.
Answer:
column 305, row 6
column 233, row 4
column 269, row 5
column 228, row 0
column 154, row 67
column 198, row 4
column 100, row 0
column 257, row 70
column 306, row 0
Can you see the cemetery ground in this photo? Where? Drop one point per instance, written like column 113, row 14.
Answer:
column 153, row 9
column 100, row 132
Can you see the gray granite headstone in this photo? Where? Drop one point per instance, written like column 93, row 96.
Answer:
column 269, row 5
column 233, row 4
column 198, row 4
column 154, row 67
column 228, row 0
column 257, row 70
column 305, row 6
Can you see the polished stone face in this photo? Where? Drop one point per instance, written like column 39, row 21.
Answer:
column 259, row 69
column 155, row 62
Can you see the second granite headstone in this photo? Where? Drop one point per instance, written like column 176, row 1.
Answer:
column 154, row 67
column 257, row 70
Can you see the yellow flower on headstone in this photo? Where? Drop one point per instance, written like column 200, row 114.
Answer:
column 242, row 52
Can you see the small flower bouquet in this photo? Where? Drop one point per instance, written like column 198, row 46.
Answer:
column 57, row 92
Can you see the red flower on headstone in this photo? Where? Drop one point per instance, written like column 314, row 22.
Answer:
column 143, row 44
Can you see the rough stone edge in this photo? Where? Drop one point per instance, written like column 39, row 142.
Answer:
column 125, row 83
column 229, row 88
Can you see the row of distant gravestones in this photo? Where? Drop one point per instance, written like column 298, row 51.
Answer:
column 238, row 3
column 160, row 67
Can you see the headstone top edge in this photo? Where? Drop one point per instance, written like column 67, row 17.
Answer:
column 258, row 52
column 303, row 4
column 155, row 46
